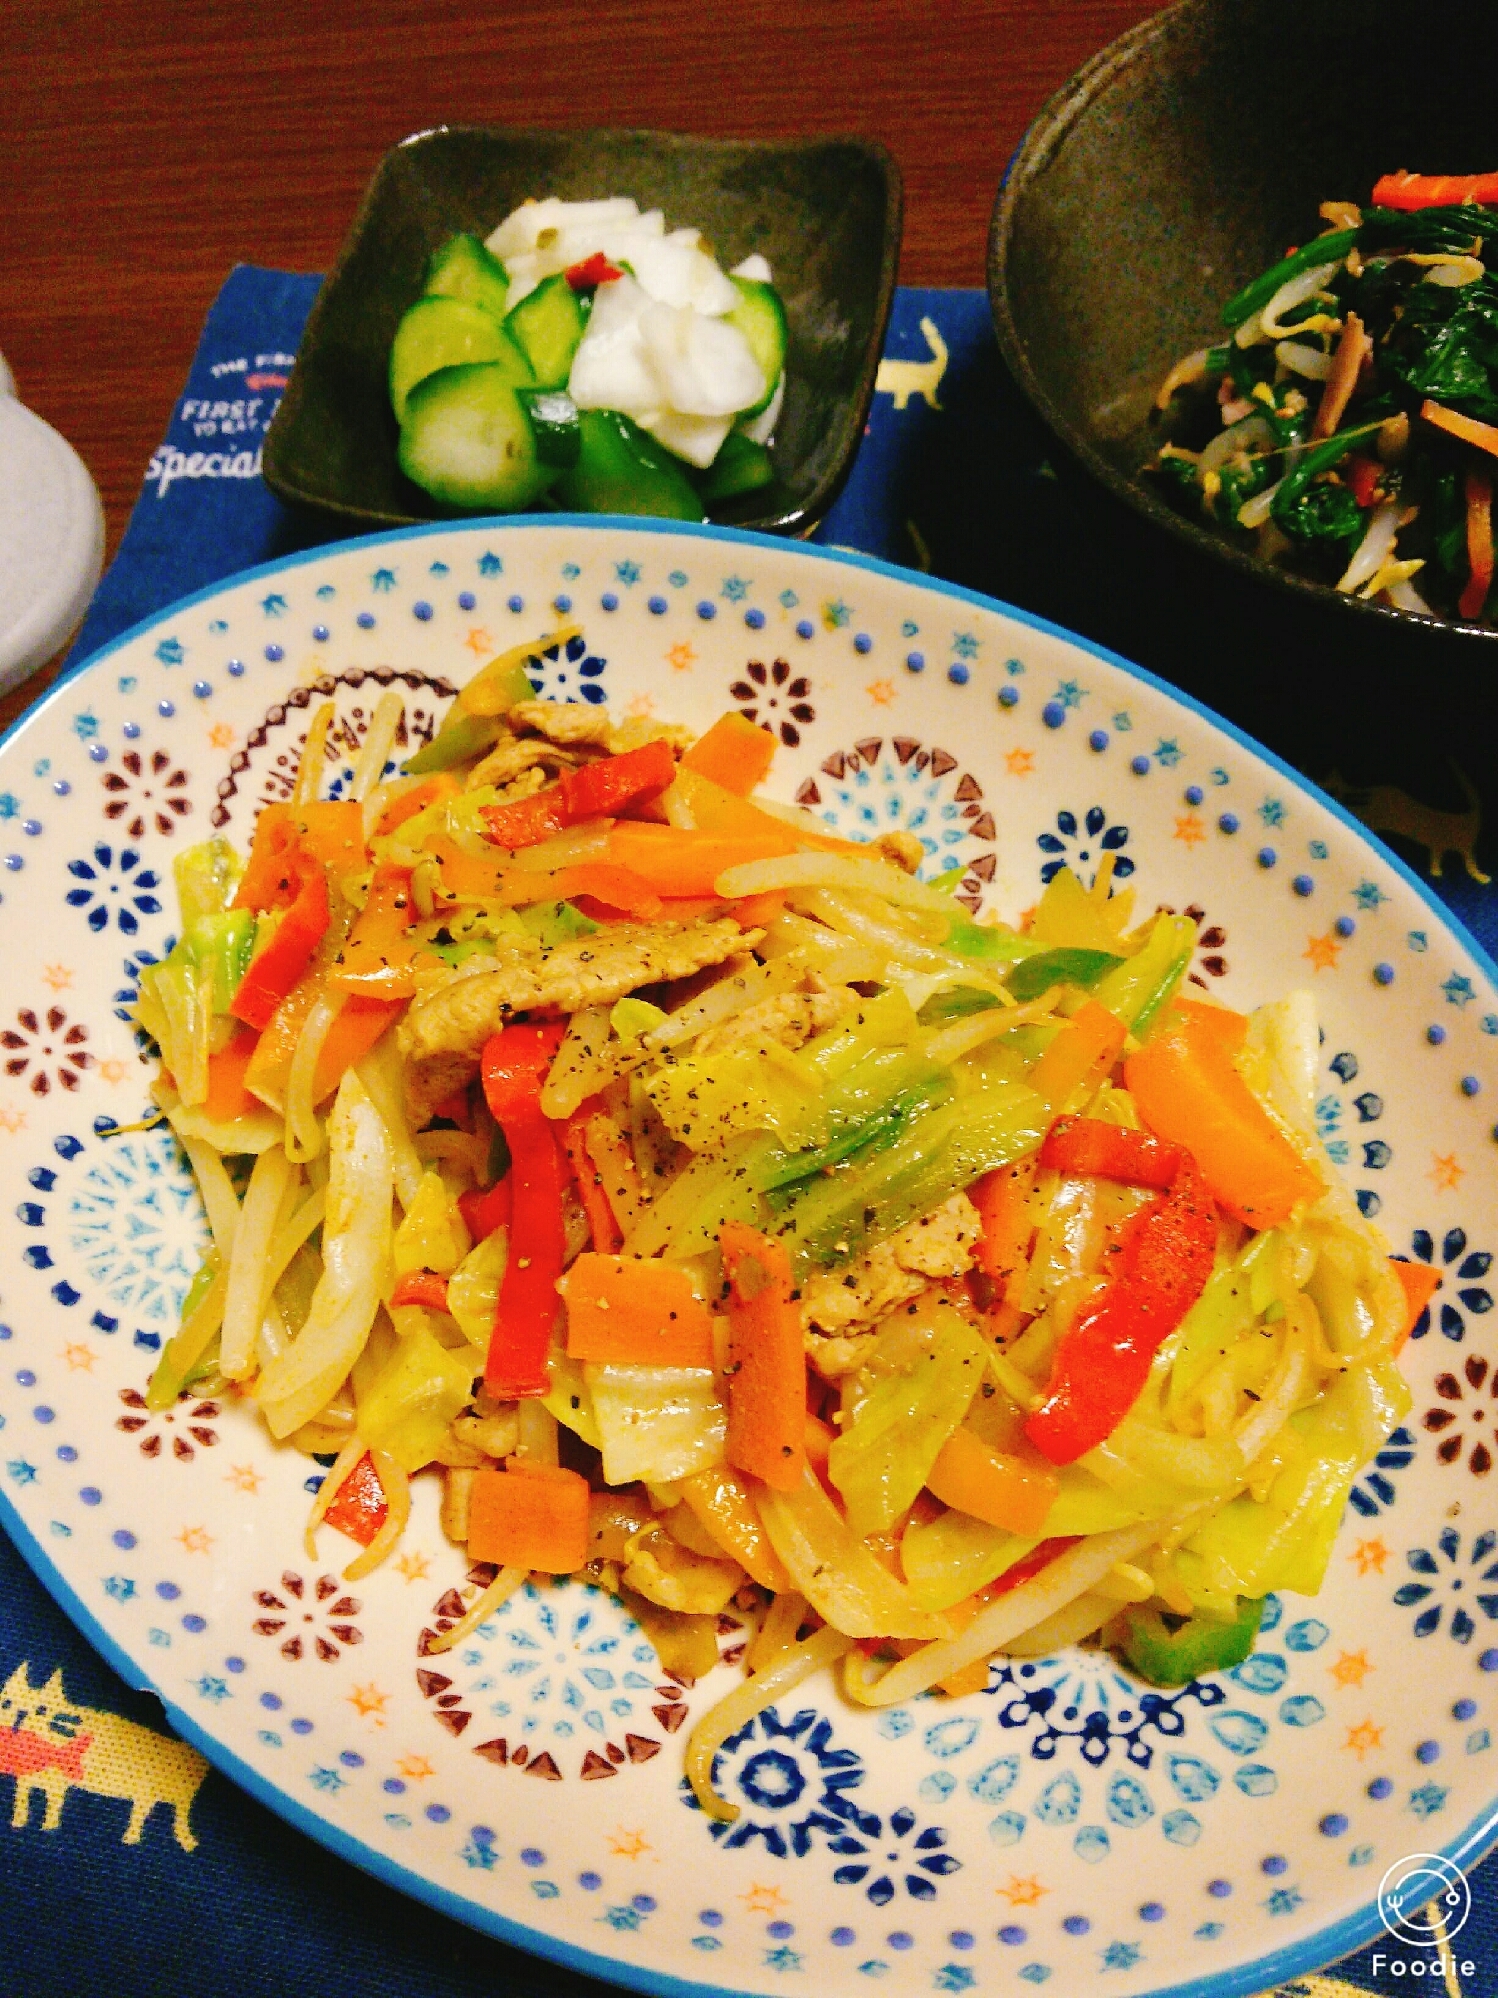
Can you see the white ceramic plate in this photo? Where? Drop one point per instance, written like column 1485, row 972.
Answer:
column 1065, row 1826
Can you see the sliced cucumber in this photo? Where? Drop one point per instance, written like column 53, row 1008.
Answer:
column 621, row 470
column 447, row 333
column 463, row 268
column 554, row 418
column 760, row 317
column 741, row 466
column 468, row 441
column 547, row 325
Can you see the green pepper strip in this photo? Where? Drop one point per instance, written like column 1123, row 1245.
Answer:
column 1328, row 249
column 1169, row 1657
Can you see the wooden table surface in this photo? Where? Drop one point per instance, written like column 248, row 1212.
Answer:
column 148, row 147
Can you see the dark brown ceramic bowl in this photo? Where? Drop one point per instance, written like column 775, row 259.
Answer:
column 1176, row 166
column 826, row 212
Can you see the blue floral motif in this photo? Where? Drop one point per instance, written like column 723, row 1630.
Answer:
column 965, row 644
column 835, row 614
column 912, row 1855
column 1461, row 1267
column 791, row 1782
column 490, row 564
column 735, row 589
column 880, row 786
column 1335, row 1115
column 561, row 1663
column 1084, row 1698
column 117, row 881
column 171, row 652
column 382, row 580
column 129, row 991
column 628, row 573
column 1121, row 1956
column 568, row 671
column 479, row 1851
column 1446, row 1575
column 135, row 1223
column 1374, row 1491
column 1272, row 812
column 1459, row 989
column 1368, row 895
column 1074, row 844
column 274, row 605
column 10, row 804
column 1428, row 1799
column 1167, row 752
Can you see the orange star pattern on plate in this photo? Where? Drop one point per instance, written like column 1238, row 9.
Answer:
column 1350, row 1668
column 415, row 1768
column 479, row 641
column 80, row 1357
column 1369, row 1557
column 880, row 692
column 112, row 1070
column 195, row 1540
column 12, row 1121
column 413, row 1566
column 1189, row 830
column 57, row 976
column 367, row 1700
column 763, row 1900
column 243, row 1477
column 1446, row 1173
column 1019, row 762
column 642, row 706
column 1022, row 1893
column 220, row 736
column 628, row 1844
column 681, row 657
column 1322, row 952
column 1363, row 1737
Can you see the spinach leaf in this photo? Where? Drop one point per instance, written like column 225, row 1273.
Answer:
column 1319, row 513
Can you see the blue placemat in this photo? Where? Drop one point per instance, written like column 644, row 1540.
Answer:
column 956, row 477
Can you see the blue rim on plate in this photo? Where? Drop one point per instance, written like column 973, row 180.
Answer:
column 1308, row 1953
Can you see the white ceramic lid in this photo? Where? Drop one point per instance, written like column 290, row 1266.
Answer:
column 51, row 539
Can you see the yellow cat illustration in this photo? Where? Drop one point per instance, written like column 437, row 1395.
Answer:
column 49, row 1743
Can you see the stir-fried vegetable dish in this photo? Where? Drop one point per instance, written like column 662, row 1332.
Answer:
column 728, row 1217
column 1347, row 426
column 585, row 357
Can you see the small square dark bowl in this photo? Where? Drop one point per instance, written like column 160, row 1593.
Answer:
column 826, row 212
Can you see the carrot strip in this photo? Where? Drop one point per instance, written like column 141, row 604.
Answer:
column 1419, row 1283
column 606, row 1232
column 628, row 1312
column 618, row 888
column 359, row 1025
column 757, row 912
column 989, row 1485
column 689, row 863
column 1483, row 435
column 1434, row 190
column 227, row 1096
column 735, row 752
column 529, row 1516
column 1216, row 1023
column 424, row 1287
column 767, row 1419
column 1085, row 1049
column 442, row 784
column 1479, row 490
column 377, row 959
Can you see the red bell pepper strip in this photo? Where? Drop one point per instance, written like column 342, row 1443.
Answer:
column 513, row 1067
column 602, row 790
column 1089, row 1145
column 273, row 971
column 485, row 1211
column 592, row 271
column 359, row 1506
column 421, row 1287
column 1161, row 1265
column 526, row 821
column 1363, row 476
